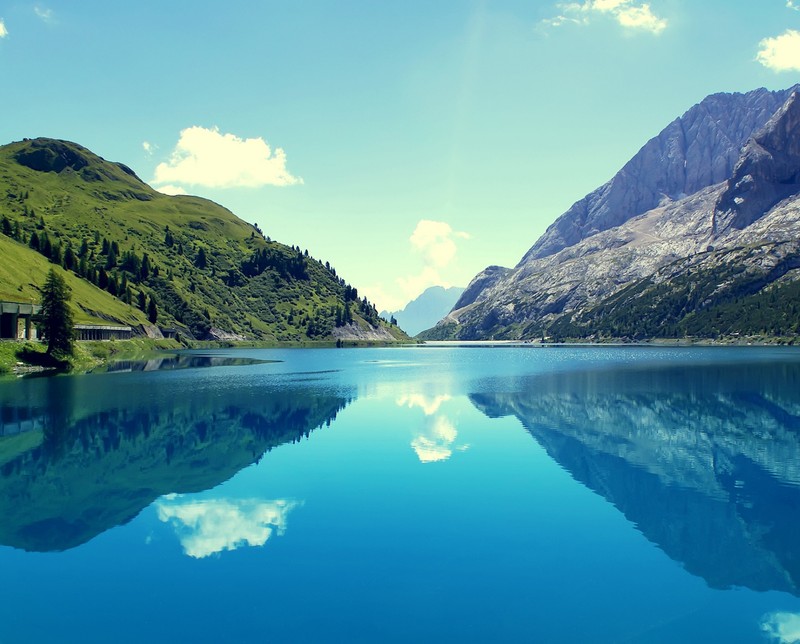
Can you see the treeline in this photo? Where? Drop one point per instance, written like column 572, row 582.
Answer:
column 291, row 267
column 192, row 279
column 726, row 301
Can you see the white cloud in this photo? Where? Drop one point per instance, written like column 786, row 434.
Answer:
column 782, row 627
column 435, row 240
column 792, row 5
column 148, row 147
column 171, row 190
column 412, row 285
column 3, row 30
column 43, row 13
column 630, row 14
column 212, row 526
column 209, row 158
column 435, row 243
column 781, row 53
column 428, row 406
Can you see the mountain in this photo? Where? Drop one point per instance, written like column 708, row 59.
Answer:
column 697, row 228
column 426, row 310
column 122, row 244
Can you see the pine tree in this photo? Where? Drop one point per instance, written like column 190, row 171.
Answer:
column 201, row 261
column 152, row 310
column 111, row 260
column 56, row 326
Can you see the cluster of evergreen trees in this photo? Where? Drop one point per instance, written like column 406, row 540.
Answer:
column 291, row 267
column 99, row 262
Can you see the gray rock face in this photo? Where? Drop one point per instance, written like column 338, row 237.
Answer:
column 768, row 170
column 641, row 220
column 695, row 151
column 484, row 280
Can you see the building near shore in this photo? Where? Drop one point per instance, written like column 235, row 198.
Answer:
column 102, row 332
column 16, row 320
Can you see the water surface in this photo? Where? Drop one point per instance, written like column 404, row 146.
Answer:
column 416, row 493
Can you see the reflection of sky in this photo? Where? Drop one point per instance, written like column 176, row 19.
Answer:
column 783, row 628
column 207, row 527
column 437, row 441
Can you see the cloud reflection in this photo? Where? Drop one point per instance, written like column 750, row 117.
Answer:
column 437, row 441
column 782, row 627
column 207, row 527
column 428, row 405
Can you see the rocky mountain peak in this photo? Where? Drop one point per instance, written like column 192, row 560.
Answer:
column 705, row 215
column 768, row 170
column 697, row 150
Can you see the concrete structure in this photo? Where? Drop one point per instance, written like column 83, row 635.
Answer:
column 16, row 320
column 102, row 332
column 169, row 333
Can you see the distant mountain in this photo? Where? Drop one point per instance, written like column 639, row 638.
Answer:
column 426, row 310
column 696, row 235
column 122, row 244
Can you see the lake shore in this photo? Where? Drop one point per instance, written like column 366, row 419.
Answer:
column 20, row 358
column 90, row 355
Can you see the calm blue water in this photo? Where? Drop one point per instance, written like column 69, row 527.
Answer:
column 421, row 494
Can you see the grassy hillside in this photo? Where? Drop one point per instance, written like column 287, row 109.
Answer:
column 208, row 272
column 23, row 271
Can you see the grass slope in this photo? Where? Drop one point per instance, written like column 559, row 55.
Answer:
column 23, row 271
column 210, row 273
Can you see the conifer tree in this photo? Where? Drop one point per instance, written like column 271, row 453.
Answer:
column 56, row 326
column 152, row 310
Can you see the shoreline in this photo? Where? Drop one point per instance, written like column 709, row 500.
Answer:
column 90, row 355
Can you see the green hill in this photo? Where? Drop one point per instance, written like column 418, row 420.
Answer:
column 123, row 244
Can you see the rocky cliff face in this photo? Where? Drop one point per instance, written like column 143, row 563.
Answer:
column 695, row 151
column 726, row 174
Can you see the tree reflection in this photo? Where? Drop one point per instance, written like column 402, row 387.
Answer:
column 104, row 448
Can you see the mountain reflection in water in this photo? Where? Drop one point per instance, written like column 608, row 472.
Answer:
column 81, row 455
column 704, row 460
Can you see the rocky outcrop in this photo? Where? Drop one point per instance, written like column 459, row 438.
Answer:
column 695, row 151
column 483, row 281
column 604, row 245
column 768, row 171
column 360, row 333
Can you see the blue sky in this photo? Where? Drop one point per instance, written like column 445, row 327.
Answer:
column 408, row 143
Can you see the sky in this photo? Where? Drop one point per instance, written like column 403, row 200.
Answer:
column 411, row 143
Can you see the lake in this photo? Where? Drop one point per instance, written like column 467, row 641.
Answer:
column 428, row 494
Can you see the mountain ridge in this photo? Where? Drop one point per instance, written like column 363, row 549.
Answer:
column 564, row 290
column 211, row 274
